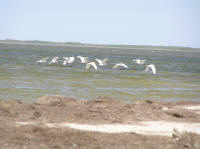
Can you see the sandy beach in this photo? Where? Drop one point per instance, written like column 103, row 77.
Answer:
column 61, row 122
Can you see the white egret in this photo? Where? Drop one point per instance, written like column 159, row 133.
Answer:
column 139, row 61
column 120, row 65
column 102, row 62
column 83, row 59
column 54, row 60
column 68, row 60
column 93, row 64
column 152, row 67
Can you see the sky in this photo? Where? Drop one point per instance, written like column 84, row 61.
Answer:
column 132, row 22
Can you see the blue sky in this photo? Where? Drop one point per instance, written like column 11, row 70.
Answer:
column 133, row 22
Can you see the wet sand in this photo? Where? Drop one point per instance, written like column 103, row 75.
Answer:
column 61, row 122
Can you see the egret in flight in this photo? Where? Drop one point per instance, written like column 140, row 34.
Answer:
column 152, row 67
column 120, row 65
column 83, row 59
column 68, row 60
column 54, row 60
column 102, row 62
column 139, row 61
column 93, row 64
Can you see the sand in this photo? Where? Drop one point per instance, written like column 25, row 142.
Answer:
column 60, row 122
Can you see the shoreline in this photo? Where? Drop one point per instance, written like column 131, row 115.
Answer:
column 100, row 46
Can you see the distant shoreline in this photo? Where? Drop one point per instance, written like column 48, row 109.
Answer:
column 154, row 48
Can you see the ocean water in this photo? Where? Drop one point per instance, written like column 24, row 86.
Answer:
column 177, row 78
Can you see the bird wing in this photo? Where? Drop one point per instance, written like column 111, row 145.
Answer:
column 147, row 68
column 120, row 64
column 99, row 61
column 39, row 61
column 153, row 68
column 85, row 59
column 55, row 58
column 51, row 61
column 124, row 65
column 88, row 65
column 64, row 62
column 104, row 62
column 94, row 65
column 115, row 66
column 72, row 58
column 81, row 58
column 67, row 59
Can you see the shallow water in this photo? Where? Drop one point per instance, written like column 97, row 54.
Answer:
column 177, row 78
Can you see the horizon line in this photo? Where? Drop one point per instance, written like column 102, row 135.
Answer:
column 100, row 44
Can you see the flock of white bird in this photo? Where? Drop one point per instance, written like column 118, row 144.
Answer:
column 69, row 60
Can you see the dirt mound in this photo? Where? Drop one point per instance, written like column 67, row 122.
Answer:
column 58, row 109
column 55, row 99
